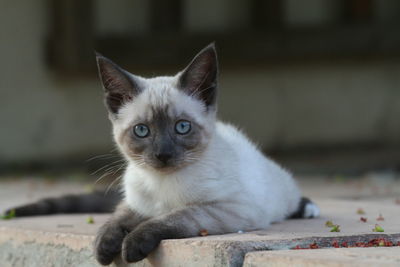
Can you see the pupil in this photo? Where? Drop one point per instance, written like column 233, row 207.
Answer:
column 182, row 127
column 141, row 130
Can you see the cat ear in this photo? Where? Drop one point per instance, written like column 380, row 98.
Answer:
column 119, row 85
column 199, row 78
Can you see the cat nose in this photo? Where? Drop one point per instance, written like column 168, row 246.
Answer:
column 164, row 156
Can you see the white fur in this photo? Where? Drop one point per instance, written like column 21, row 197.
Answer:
column 231, row 169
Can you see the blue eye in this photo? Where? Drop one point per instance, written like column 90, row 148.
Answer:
column 183, row 127
column 141, row 130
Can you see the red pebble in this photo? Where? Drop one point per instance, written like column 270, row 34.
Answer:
column 360, row 244
column 373, row 243
column 335, row 244
column 314, row 246
column 380, row 218
column 381, row 242
column 203, row 232
column 344, row 244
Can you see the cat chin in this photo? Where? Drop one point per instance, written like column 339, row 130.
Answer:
column 164, row 169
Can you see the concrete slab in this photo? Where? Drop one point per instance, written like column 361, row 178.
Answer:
column 342, row 212
column 38, row 240
column 341, row 257
column 20, row 248
column 39, row 248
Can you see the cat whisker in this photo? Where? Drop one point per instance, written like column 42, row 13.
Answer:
column 102, row 176
column 107, row 166
column 120, row 167
column 119, row 178
column 111, row 171
column 103, row 156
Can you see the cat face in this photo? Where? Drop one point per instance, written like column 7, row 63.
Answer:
column 162, row 123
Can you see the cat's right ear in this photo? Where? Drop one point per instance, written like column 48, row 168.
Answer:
column 119, row 85
column 200, row 77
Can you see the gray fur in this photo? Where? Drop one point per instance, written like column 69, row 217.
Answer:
column 188, row 222
column 92, row 202
column 111, row 235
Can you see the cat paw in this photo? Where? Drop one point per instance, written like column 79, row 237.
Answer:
column 108, row 243
column 138, row 244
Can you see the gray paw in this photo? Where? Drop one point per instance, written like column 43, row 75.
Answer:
column 108, row 243
column 139, row 243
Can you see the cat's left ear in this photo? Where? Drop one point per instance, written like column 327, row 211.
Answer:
column 199, row 78
column 119, row 85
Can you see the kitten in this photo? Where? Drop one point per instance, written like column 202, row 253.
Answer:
column 187, row 172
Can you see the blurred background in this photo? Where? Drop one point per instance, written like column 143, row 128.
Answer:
column 316, row 83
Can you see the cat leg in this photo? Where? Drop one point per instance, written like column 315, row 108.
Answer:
column 189, row 222
column 109, row 238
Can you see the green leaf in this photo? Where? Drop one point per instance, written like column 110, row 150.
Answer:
column 90, row 220
column 378, row 228
column 9, row 215
column 329, row 224
column 360, row 211
column 335, row 228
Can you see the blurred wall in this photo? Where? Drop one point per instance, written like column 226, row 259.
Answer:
column 315, row 105
column 42, row 115
column 46, row 116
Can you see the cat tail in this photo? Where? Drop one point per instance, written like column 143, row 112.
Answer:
column 96, row 202
column 306, row 209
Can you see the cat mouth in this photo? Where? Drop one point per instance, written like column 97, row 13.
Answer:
column 167, row 167
column 162, row 165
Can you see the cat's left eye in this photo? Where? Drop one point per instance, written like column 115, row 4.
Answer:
column 141, row 130
column 183, row 127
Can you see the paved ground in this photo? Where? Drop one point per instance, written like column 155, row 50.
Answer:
column 354, row 257
column 339, row 199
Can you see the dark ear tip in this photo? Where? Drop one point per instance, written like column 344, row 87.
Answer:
column 211, row 47
column 97, row 54
column 100, row 58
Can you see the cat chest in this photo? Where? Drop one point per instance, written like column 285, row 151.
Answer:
column 156, row 202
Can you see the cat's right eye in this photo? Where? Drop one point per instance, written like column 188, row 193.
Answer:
column 141, row 130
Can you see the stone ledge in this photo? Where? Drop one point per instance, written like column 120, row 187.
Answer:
column 41, row 248
column 341, row 257
column 37, row 248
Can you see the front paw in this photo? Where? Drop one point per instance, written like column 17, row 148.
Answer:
column 108, row 243
column 138, row 244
